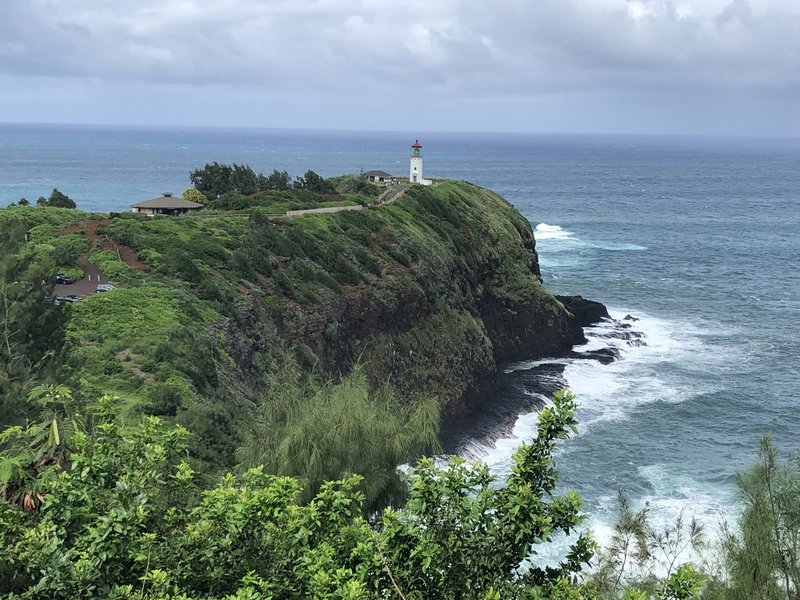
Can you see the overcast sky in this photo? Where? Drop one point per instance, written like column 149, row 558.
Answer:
column 681, row 66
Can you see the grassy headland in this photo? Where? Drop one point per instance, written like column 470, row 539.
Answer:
column 427, row 294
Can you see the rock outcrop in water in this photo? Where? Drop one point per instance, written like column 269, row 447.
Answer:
column 586, row 312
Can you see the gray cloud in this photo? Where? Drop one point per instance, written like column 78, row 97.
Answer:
column 475, row 54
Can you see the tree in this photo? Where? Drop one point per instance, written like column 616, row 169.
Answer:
column 194, row 195
column 57, row 199
column 319, row 432
column 124, row 519
column 762, row 559
column 40, row 445
column 244, row 180
column 212, row 180
column 66, row 253
column 60, row 200
column 278, row 180
column 643, row 561
column 461, row 536
column 31, row 327
column 23, row 202
column 314, row 183
column 215, row 179
column 356, row 184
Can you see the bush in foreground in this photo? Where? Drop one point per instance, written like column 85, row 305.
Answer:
column 122, row 518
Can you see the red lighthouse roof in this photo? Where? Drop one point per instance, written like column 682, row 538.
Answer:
column 416, row 144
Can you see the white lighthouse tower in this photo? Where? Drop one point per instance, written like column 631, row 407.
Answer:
column 415, row 171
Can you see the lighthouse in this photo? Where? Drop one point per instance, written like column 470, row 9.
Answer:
column 415, row 172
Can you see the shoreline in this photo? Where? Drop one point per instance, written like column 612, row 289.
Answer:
column 492, row 410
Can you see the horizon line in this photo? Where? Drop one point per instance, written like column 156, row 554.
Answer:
column 389, row 131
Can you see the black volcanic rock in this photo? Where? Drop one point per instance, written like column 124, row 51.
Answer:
column 586, row 312
column 602, row 355
column 524, row 331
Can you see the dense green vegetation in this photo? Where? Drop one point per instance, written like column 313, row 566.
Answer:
column 762, row 555
column 306, row 358
column 215, row 180
column 317, row 431
column 56, row 199
column 211, row 307
column 99, row 506
column 239, row 188
column 31, row 328
column 299, row 269
column 115, row 513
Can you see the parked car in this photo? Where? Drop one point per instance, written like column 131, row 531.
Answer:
column 63, row 279
column 72, row 297
column 105, row 287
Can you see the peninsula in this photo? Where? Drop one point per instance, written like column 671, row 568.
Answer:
column 427, row 294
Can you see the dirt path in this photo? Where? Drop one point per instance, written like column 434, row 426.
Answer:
column 92, row 275
column 105, row 242
column 125, row 254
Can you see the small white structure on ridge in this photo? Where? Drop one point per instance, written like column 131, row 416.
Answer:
column 415, row 172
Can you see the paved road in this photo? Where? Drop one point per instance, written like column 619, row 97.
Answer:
column 86, row 286
column 323, row 210
column 395, row 191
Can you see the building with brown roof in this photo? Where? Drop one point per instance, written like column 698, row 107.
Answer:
column 379, row 177
column 166, row 205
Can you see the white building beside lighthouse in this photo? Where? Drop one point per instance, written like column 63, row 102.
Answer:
column 415, row 169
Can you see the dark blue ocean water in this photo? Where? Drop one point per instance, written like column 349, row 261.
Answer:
column 697, row 237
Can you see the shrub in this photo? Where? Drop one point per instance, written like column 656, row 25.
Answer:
column 154, row 534
column 113, row 267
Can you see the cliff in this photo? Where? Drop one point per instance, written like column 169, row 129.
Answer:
column 444, row 286
column 431, row 292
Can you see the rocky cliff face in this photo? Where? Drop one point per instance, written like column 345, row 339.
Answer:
column 455, row 291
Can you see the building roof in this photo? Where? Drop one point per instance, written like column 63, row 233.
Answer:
column 168, row 201
column 416, row 144
column 377, row 174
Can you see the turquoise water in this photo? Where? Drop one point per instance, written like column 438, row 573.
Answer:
column 696, row 237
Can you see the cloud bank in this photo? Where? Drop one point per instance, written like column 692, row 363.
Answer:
column 609, row 64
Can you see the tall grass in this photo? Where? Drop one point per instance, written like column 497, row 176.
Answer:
column 321, row 430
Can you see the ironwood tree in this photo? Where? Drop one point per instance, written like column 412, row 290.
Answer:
column 31, row 326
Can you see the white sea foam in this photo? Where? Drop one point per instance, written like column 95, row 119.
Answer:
column 641, row 377
column 675, row 495
column 557, row 234
column 526, row 365
column 612, row 247
column 544, row 231
column 612, row 392
column 609, row 392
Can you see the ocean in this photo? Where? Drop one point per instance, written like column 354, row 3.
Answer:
column 697, row 238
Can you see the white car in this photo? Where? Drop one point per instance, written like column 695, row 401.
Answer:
column 105, row 287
